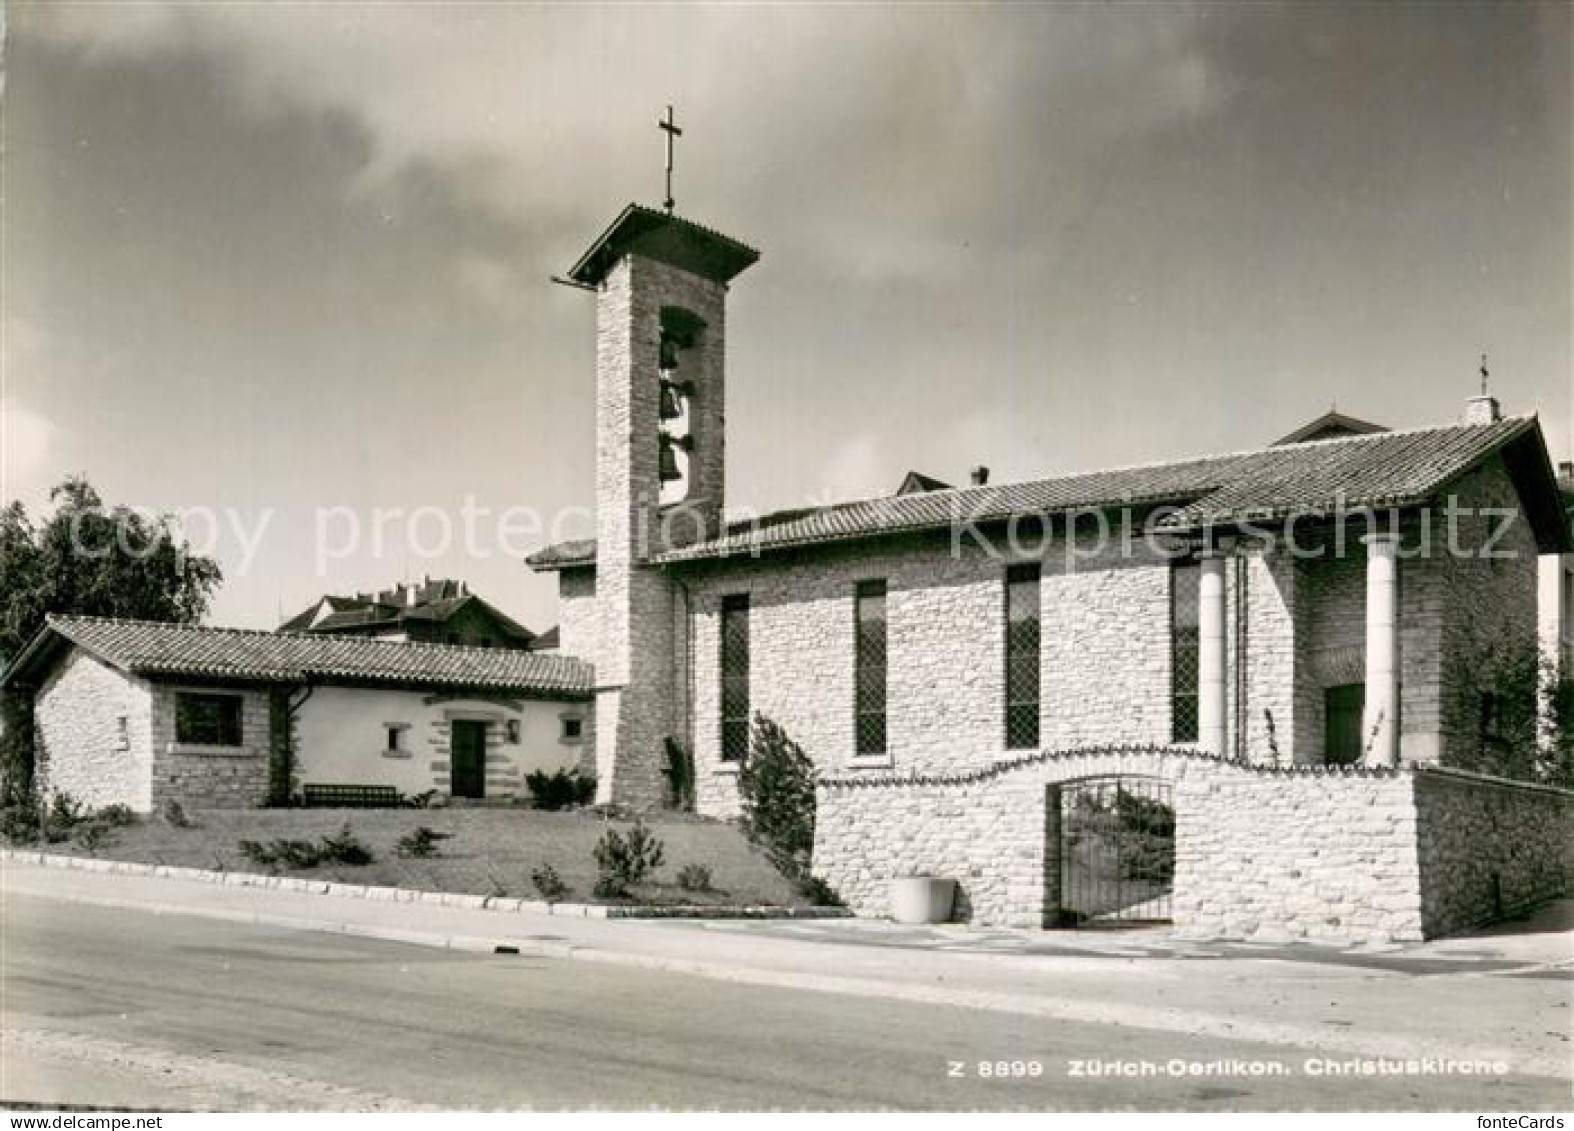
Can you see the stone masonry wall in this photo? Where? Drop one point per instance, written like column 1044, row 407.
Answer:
column 94, row 727
column 1489, row 848
column 578, row 628
column 1331, row 591
column 1105, row 671
column 210, row 777
column 1351, row 854
column 1259, row 852
column 1313, row 854
column 635, row 671
column 1488, row 607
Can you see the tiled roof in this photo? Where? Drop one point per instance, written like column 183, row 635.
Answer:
column 151, row 648
column 1387, row 469
column 562, row 555
column 436, row 601
column 670, row 239
column 1331, row 425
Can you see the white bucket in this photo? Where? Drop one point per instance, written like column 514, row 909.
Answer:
column 922, row 899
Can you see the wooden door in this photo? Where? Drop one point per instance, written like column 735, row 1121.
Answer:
column 468, row 756
column 1342, row 707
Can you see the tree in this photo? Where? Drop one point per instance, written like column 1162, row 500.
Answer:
column 86, row 559
column 1530, row 734
column 776, row 786
column 97, row 561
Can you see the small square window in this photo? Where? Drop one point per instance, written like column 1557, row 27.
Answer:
column 207, row 719
column 122, row 733
column 573, row 728
column 395, row 736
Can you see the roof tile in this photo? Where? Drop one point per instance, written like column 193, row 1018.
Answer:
column 160, row 649
column 1320, row 476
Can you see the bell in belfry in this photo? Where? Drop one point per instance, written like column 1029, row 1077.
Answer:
column 671, row 402
column 669, row 352
column 669, row 461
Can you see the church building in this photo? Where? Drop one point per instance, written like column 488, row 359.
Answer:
column 1332, row 607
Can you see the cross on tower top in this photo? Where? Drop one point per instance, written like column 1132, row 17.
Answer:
column 670, row 125
column 1485, row 374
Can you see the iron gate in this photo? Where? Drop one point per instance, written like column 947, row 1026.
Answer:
column 1116, row 851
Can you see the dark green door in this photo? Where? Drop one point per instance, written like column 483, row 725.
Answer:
column 468, row 746
column 1342, row 707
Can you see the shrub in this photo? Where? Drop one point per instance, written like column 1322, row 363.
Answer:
column 819, row 893
column 694, row 877
column 422, row 800
column 19, row 823
column 560, row 789
column 64, row 810
column 344, row 848
column 92, row 835
column 341, row 848
column 421, row 841
column 679, row 772
column 776, row 787
column 59, row 817
column 549, row 883
column 281, row 853
column 115, row 816
column 174, row 815
column 624, row 859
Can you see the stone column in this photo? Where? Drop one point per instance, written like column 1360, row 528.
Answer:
column 1380, row 718
column 1211, row 684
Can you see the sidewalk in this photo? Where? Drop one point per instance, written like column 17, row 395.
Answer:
column 1500, row 997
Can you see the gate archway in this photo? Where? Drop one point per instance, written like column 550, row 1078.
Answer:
column 1112, row 842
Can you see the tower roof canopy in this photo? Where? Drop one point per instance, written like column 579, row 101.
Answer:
column 668, row 239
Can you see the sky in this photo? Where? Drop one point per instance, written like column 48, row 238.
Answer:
column 285, row 269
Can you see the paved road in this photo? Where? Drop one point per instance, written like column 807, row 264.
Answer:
column 116, row 1007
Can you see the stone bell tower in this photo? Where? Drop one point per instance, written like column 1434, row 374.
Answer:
column 661, row 288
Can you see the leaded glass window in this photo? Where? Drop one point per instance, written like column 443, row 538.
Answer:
column 1185, row 603
column 870, row 677
column 734, row 677
column 1023, row 634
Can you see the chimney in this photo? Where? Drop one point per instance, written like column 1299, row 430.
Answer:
column 1483, row 410
column 1566, row 471
column 979, row 475
column 409, row 596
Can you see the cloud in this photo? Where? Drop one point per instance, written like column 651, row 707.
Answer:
column 524, row 105
column 25, row 439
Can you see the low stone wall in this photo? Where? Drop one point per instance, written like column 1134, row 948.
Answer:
column 1311, row 853
column 1489, row 848
column 211, row 777
column 1327, row 854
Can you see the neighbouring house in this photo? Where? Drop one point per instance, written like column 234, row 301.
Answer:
column 425, row 612
column 545, row 641
column 1295, row 651
column 141, row 713
column 1331, row 425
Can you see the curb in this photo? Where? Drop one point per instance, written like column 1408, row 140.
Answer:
column 305, row 886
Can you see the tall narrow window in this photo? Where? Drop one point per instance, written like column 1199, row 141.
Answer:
column 734, row 677
column 1022, row 656
column 1185, row 602
column 869, row 720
